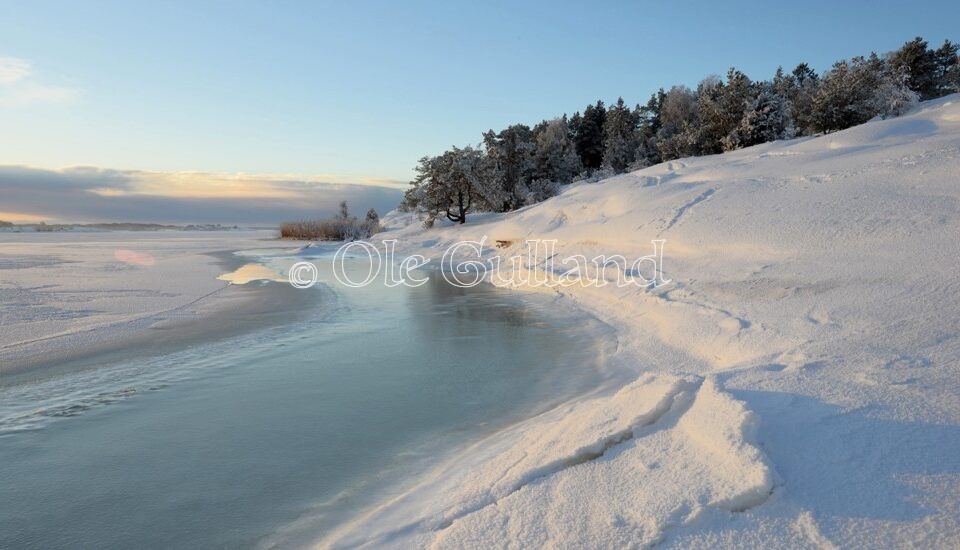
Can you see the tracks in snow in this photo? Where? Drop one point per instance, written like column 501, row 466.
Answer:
column 687, row 206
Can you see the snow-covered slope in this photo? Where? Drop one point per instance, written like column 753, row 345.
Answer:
column 796, row 385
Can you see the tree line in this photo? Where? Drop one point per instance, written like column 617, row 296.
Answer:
column 520, row 165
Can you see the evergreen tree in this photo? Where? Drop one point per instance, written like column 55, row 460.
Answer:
column 721, row 107
column 855, row 91
column 556, row 155
column 841, row 98
column 892, row 95
column 648, row 124
column 590, row 136
column 711, row 125
column 541, row 127
column 799, row 88
column 620, row 137
column 371, row 222
column 918, row 64
column 768, row 118
column 677, row 136
column 540, row 189
column 948, row 68
column 510, row 163
column 574, row 124
column 451, row 185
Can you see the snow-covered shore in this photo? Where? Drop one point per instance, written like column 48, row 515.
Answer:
column 72, row 295
column 796, row 384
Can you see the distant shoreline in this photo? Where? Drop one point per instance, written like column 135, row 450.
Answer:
column 42, row 227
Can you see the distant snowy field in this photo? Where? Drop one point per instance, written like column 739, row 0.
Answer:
column 64, row 291
column 796, row 385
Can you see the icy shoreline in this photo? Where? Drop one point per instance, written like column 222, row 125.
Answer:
column 118, row 294
column 798, row 380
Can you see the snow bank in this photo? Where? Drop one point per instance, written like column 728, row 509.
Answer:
column 811, row 335
column 585, row 474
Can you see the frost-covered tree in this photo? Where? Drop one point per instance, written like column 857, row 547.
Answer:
column 799, row 87
column 845, row 96
column 918, row 65
column 855, row 91
column 892, row 96
column 371, row 222
column 540, row 189
column 648, row 124
column 620, row 137
column 451, row 185
column 948, row 68
column 556, row 154
column 510, row 163
column 589, row 136
column 721, row 107
column 679, row 123
column 574, row 124
column 834, row 105
column 767, row 118
column 711, row 124
column 925, row 71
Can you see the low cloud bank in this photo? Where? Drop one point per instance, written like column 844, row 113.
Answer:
column 86, row 194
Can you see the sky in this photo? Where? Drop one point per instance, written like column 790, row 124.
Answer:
column 335, row 93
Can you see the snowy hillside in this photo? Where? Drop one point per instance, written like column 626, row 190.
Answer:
column 796, row 385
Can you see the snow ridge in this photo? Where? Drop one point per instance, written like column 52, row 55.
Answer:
column 651, row 412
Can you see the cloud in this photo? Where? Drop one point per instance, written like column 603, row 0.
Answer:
column 19, row 87
column 13, row 69
column 90, row 194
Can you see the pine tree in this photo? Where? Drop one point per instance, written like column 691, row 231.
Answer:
column 451, row 185
column 892, row 95
column 721, row 107
column 918, row 64
column 768, row 118
column 855, row 91
column 679, row 124
column 648, row 123
column 844, row 98
column 799, row 88
column 510, row 163
column 948, row 68
column 574, row 124
column 556, row 155
column 371, row 223
column 620, row 137
column 590, row 136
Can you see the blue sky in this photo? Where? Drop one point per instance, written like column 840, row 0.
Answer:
column 358, row 91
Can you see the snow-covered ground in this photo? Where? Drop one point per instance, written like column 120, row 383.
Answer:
column 63, row 293
column 796, row 385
